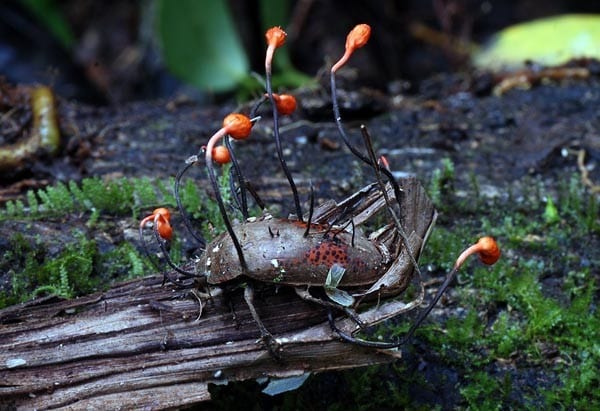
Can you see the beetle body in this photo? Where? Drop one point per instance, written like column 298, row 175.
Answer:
column 283, row 252
column 280, row 251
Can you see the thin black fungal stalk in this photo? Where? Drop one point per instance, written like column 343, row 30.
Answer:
column 276, row 38
column 238, row 126
column 340, row 126
column 236, row 174
column 163, row 248
column 377, row 169
column 310, row 210
column 215, row 186
column 184, row 215
column 250, row 187
column 489, row 253
column 357, row 38
column 260, row 102
column 145, row 248
column 161, row 239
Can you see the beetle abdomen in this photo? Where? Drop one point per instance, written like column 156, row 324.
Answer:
column 277, row 251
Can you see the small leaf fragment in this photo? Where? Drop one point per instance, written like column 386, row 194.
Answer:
column 334, row 277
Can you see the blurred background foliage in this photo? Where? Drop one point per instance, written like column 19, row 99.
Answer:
column 117, row 51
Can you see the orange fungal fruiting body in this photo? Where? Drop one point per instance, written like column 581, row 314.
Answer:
column 486, row 247
column 220, row 155
column 275, row 37
column 237, row 126
column 160, row 217
column 489, row 252
column 358, row 37
column 164, row 227
column 286, row 103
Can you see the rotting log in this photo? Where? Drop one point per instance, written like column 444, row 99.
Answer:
column 141, row 344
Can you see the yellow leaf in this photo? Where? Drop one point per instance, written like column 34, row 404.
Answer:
column 548, row 41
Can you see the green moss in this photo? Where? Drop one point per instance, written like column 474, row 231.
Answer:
column 537, row 306
column 35, row 272
column 119, row 197
column 80, row 267
column 442, row 183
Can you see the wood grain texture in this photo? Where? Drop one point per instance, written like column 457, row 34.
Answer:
column 142, row 345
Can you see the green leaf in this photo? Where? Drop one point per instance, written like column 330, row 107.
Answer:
column 548, row 41
column 49, row 13
column 334, row 277
column 200, row 43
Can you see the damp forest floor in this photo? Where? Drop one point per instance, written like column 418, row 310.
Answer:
column 523, row 166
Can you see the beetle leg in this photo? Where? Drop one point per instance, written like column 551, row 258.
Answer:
column 267, row 338
column 306, row 296
column 358, row 341
column 375, row 315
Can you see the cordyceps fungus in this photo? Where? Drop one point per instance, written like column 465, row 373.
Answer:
column 275, row 37
column 489, row 253
column 285, row 103
column 160, row 218
column 163, row 232
column 357, row 38
column 238, row 126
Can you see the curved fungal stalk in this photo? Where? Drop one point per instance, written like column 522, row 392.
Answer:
column 238, row 126
column 163, row 232
column 357, row 38
column 186, row 219
column 275, row 37
column 489, row 253
column 235, row 174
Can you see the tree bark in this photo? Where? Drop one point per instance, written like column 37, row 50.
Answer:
column 142, row 344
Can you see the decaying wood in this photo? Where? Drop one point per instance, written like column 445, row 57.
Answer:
column 145, row 344
column 142, row 345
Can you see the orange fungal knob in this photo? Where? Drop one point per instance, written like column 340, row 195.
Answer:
column 164, row 227
column 275, row 37
column 237, row 126
column 357, row 38
column 286, row 103
column 221, row 155
column 486, row 247
column 163, row 212
column 160, row 217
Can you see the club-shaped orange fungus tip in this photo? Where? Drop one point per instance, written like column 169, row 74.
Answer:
column 237, row 126
column 163, row 212
column 488, row 250
column 164, row 228
column 286, row 103
column 358, row 37
column 275, row 36
column 221, row 155
column 485, row 247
